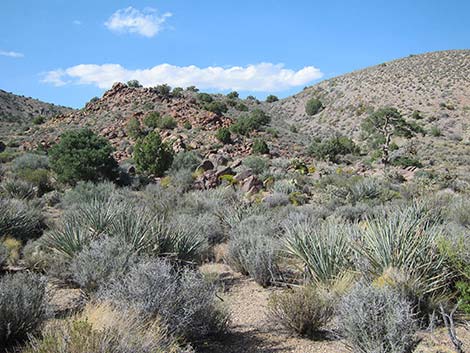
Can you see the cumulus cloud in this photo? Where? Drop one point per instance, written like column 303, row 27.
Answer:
column 11, row 54
column 262, row 77
column 130, row 20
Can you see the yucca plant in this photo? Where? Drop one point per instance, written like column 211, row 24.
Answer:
column 17, row 189
column 405, row 240
column 134, row 226
column 19, row 219
column 68, row 239
column 323, row 248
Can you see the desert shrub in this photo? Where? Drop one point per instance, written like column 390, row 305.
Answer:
column 38, row 120
column 153, row 156
column 323, row 248
column 406, row 161
column 260, row 147
column 331, row 149
column 241, row 107
column 223, row 135
column 232, row 95
column 35, row 256
column 377, row 320
column 181, row 180
column 30, row 161
column 435, row 131
column 134, row 83
column 133, row 128
column 17, row 189
column 182, row 299
column 216, row 107
column 277, row 199
column 248, row 123
column 313, row 106
column 167, row 122
column 185, row 160
column 102, row 260
column 82, row 155
column 102, row 328
column 253, row 251
column 358, row 190
column 163, row 90
column 39, row 178
column 271, row 99
column 22, row 306
column 19, row 219
column 151, row 120
column 257, row 164
column 204, row 98
column 192, row 89
column 284, row 186
column 177, row 92
column 304, row 311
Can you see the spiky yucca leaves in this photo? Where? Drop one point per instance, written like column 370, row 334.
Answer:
column 323, row 248
column 19, row 219
column 68, row 239
column 17, row 189
column 405, row 240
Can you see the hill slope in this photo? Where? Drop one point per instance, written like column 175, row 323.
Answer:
column 18, row 111
column 437, row 85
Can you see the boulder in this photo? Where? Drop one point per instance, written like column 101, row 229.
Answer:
column 206, row 165
column 252, row 185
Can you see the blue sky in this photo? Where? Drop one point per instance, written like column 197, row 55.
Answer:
column 66, row 52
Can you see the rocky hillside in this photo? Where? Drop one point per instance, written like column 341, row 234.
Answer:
column 16, row 112
column 435, row 86
column 432, row 88
column 195, row 125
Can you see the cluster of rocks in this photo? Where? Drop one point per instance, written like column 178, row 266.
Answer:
column 213, row 169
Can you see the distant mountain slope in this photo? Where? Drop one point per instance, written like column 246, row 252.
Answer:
column 437, row 85
column 14, row 108
column 18, row 112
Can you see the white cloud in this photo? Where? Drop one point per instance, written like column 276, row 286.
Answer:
column 262, row 77
column 130, row 20
column 77, row 22
column 11, row 54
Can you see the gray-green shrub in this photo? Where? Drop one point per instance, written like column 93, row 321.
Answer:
column 377, row 320
column 182, row 299
column 22, row 306
column 102, row 260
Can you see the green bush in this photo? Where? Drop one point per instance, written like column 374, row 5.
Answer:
column 377, row 320
column 406, row 161
column 30, row 161
column 163, row 90
column 313, row 106
column 151, row 120
column 232, row 95
column 260, row 147
column 177, row 92
column 216, row 107
column 271, row 99
column 331, row 149
column 134, row 84
column 39, row 120
column 82, row 155
column 248, row 123
column 304, row 311
column 167, row 122
column 204, row 97
column 223, row 135
column 152, row 156
column 133, row 128
column 241, row 107
column 40, row 178
column 257, row 164
column 22, row 306
column 435, row 131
